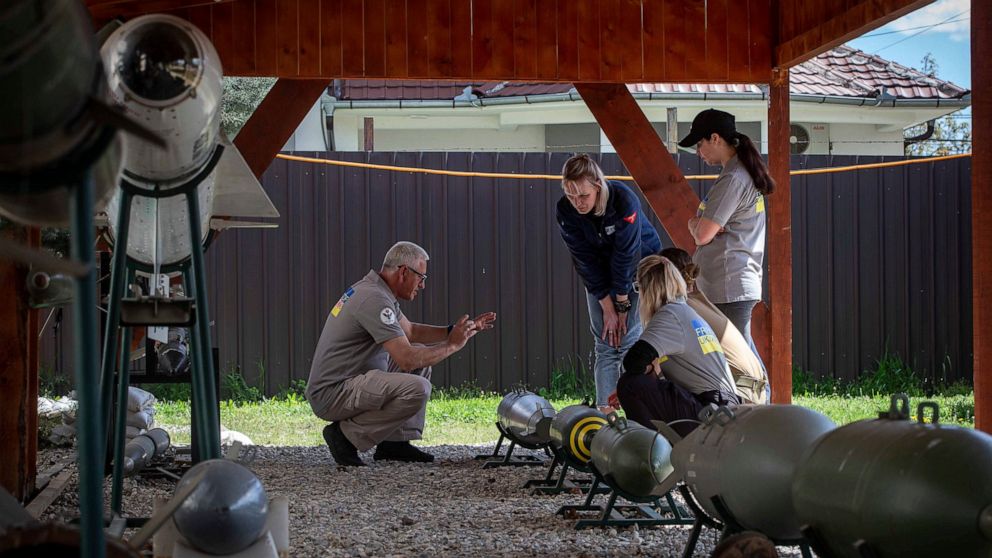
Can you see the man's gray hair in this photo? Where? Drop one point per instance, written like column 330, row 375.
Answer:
column 404, row 253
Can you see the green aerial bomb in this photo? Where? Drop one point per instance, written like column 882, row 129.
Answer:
column 631, row 457
column 893, row 487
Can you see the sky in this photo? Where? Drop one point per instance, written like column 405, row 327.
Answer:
column 942, row 28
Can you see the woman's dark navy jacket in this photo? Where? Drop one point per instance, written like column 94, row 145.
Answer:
column 606, row 249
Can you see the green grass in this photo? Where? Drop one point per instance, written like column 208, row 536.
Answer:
column 460, row 418
column 466, row 415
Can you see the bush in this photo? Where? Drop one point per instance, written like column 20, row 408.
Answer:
column 890, row 376
column 571, row 379
column 235, row 388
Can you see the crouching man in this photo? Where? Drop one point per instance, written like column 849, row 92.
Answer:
column 371, row 370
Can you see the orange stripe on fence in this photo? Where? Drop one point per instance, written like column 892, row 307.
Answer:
column 474, row 174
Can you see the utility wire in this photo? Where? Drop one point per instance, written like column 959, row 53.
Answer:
column 931, row 26
column 924, row 30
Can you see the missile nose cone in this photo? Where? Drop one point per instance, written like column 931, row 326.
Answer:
column 159, row 61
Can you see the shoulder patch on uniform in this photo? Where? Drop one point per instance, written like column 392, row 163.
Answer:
column 631, row 218
column 759, row 206
column 341, row 302
column 387, row 316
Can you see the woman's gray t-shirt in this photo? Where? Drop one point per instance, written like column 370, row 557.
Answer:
column 688, row 350
column 730, row 265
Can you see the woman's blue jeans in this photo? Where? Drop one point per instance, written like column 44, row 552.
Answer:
column 609, row 359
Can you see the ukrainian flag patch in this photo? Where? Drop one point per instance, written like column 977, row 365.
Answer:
column 759, row 206
column 707, row 339
column 341, row 302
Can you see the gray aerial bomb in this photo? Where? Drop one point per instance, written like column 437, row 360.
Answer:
column 573, row 430
column 52, row 81
column 526, row 416
column 226, row 512
column 747, row 457
column 633, row 458
column 893, row 487
column 140, row 451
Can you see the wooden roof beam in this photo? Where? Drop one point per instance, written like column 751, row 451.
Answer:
column 275, row 120
column 642, row 151
column 800, row 42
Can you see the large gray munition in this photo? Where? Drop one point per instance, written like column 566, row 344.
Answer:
column 53, row 82
column 745, row 458
column 893, row 487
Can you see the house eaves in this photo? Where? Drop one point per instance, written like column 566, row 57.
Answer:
column 572, row 96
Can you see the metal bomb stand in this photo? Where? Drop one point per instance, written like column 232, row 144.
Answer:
column 575, row 432
column 142, row 310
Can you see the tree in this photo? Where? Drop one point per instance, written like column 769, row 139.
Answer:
column 952, row 133
column 242, row 95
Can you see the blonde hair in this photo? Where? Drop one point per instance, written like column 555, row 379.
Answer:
column 582, row 166
column 660, row 283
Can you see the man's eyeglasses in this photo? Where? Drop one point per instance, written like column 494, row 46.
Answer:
column 423, row 276
column 636, row 286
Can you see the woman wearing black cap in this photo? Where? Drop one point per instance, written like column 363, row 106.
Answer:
column 729, row 227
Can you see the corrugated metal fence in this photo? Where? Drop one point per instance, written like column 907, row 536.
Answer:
column 881, row 260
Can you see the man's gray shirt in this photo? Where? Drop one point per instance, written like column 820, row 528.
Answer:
column 688, row 350
column 366, row 316
column 730, row 265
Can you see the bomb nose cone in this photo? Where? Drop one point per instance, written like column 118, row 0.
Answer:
column 985, row 522
column 159, row 61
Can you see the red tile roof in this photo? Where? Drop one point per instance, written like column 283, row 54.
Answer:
column 842, row 72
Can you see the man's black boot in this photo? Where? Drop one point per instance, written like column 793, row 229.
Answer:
column 401, row 451
column 342, row 450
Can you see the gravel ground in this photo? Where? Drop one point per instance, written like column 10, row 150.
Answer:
column 452, row 507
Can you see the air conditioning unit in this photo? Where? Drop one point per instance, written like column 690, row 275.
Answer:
column 809, row 139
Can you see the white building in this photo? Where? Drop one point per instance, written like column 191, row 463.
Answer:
column 844, row 102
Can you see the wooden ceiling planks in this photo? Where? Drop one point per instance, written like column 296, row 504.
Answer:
column 546, row 40
column 549, row 40
column 810, row 28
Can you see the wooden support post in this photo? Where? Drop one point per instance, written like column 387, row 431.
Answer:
column 369, row 133
column 672, row 128
column 779, row 241
column 639, row 147
column 275, row 120
column 981, row 206
column 19, row 373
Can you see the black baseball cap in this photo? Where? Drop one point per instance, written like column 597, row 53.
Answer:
column 708, row 122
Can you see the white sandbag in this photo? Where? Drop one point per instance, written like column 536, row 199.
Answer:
column 141, row 419
column 139, row 399
column 228, row 437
